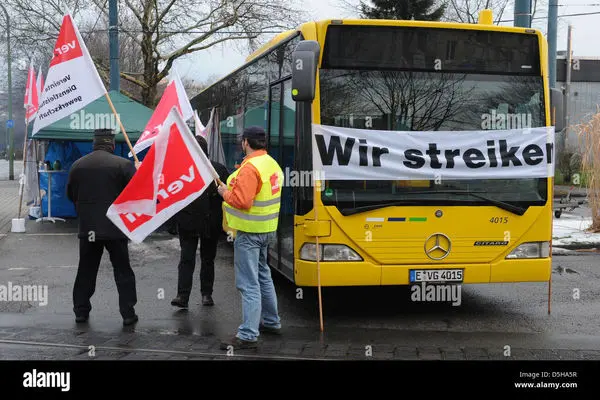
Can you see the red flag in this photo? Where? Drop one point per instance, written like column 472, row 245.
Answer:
column 72, row 79
column 31, row 102
column 173, row 96
column 174, row 173
column 40, row 83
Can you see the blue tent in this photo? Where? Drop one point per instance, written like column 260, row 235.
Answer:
column 71, row 138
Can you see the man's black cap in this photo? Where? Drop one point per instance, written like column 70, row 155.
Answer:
column 104, row 132
column 254, row 132
column 104, row 136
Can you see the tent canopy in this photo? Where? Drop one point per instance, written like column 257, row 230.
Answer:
column 81, row 124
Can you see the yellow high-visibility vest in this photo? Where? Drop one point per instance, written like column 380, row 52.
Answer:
column 263, row 216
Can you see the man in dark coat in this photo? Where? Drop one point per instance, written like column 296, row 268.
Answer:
column 200, row 221
column 94, row 182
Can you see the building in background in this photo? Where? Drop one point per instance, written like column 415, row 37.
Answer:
column 584, row 99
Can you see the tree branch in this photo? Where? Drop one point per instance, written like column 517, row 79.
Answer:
column 125, row 76
column 134, row 11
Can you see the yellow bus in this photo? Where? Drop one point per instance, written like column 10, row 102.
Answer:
column 394, row 75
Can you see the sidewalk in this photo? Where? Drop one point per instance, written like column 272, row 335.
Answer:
column 562, row 190
column 9, row 205
column 297, row 343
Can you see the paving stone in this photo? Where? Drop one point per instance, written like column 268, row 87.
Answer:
column 429, row 353
column 452, row 354
column 291, row 348
column 269, row 347
column 475, row 353
column 82, row 356
column 380, row 352
column 91, row 338
column 203, row 344
column 119, row 342
column 178, row 357
column 581, row 354
column 36, row 335
column 545, row 354
column 109, row 355
column 316, row 350
column 336, row 350
column 138, row 355
column 521, row 354
column 154, row 342
column 358, row 352
column 406, row 353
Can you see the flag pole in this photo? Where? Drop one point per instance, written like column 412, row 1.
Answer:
column 318, row 254
column 551, row 227
column 23, row 176
column 112, row 106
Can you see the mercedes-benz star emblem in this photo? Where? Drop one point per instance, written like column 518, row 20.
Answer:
column 437, row 246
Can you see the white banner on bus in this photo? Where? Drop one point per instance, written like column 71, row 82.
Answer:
column 365, row 154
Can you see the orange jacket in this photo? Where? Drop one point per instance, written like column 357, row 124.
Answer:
column 246, row 185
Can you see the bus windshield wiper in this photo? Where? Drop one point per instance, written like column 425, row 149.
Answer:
column 500, row 204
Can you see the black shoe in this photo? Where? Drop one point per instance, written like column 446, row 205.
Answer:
column 207, row 300
column 180, row 302
column 267, row 329
column 81, row 318
column 130, row 320
column 238, row 344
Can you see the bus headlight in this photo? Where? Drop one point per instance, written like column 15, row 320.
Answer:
column 531, row 250
column 328, row 252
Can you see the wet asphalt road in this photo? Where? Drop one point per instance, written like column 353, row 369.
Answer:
column 489, row 318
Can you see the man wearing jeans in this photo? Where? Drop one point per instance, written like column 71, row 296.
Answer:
column 252, row 199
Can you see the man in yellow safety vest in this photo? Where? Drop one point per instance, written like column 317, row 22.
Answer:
column 252, row 199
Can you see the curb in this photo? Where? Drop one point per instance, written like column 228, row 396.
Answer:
column 577, row 246
column 560, row 195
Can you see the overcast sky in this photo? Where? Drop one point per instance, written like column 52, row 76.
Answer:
column 586, row 32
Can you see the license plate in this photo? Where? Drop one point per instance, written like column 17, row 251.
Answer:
column 436, row 275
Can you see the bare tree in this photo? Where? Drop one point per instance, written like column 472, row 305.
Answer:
column 402, row 100
column 130, row 54
column 467, row 11
column 163, row 30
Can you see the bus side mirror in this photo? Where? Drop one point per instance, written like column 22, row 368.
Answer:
column 556, row 109
column 304, row 70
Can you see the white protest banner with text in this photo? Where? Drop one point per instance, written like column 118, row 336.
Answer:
column 364, row 154
column 72, row 81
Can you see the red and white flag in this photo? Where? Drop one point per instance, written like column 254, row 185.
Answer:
column 173, row 96
column 174, row 173
column 72, row 81
column 199, row 129
column 31, row 101
column 40, row 83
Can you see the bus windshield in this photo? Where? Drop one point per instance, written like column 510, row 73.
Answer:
column 364, row 91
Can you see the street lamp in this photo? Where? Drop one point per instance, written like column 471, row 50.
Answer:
column 11, row 152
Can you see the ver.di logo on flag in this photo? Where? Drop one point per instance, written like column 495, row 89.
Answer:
column 72, row 81
column 174, row 173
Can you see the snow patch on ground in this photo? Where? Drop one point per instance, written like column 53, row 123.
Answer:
column 559, row 251
column 152, row 249
column 569, row 230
